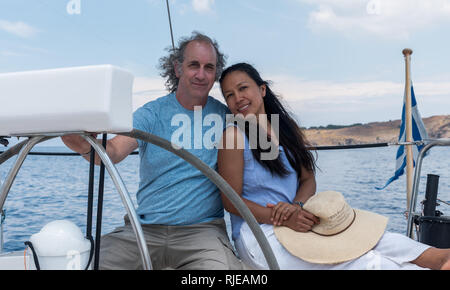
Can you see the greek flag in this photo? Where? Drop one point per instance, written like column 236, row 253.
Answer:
column 418, row 133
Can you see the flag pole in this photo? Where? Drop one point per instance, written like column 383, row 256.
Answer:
column 408, row 119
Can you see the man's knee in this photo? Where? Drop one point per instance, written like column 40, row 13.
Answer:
column 211, row 253
column 231, row 258
column 118, row 251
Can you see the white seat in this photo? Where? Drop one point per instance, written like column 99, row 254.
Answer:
column 245, row 257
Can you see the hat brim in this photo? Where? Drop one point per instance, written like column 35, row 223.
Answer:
column 355, row 241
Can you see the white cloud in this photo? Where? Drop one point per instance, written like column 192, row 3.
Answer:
column 202, row 6
column 23, row 51
column 383, row 18
column 8, row 53
column 19, row 28
column 147, row 89
column 294, row 89
column 320, row 102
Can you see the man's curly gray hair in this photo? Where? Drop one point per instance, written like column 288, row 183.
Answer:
column 176, row 55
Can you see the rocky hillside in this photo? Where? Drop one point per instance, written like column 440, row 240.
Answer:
column 376, row 132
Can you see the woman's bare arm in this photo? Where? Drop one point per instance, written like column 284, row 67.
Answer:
column 231, row 167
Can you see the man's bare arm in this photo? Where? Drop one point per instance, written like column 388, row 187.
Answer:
column 117, row 148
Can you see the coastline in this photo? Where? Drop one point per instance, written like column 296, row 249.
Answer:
column 375, row 132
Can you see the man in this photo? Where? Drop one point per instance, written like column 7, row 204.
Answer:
column 179, row 208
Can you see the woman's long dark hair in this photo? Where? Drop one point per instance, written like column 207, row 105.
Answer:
column 291, row 136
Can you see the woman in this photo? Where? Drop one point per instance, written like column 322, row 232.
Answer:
column 276, row 189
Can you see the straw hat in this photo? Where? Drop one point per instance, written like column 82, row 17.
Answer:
column 343, row 234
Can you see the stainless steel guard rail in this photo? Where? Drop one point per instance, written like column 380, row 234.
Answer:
column 223, row 186
column 412, row 206
column 26, row 147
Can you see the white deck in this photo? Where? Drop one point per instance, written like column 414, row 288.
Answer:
column 15, row 261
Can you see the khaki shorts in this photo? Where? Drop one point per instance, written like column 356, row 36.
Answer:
column 202, row 246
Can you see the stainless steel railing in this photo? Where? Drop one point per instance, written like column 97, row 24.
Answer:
column 24, row 148
column 412, row 214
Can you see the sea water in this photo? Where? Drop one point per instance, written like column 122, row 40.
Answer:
column 50, row 188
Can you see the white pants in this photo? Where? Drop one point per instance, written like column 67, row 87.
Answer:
column 393, row 252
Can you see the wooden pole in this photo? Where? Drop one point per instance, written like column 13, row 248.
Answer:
column 408, row 119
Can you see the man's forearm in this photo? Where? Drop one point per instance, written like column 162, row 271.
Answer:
column 76, row 143
column 79, row 145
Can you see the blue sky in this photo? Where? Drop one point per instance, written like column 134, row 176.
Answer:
column 333, row 62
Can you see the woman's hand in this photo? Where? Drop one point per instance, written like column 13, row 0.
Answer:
column 301, row 221
column 281, row 212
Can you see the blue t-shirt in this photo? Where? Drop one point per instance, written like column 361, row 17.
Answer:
column 172, row 191
column 261, row 187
